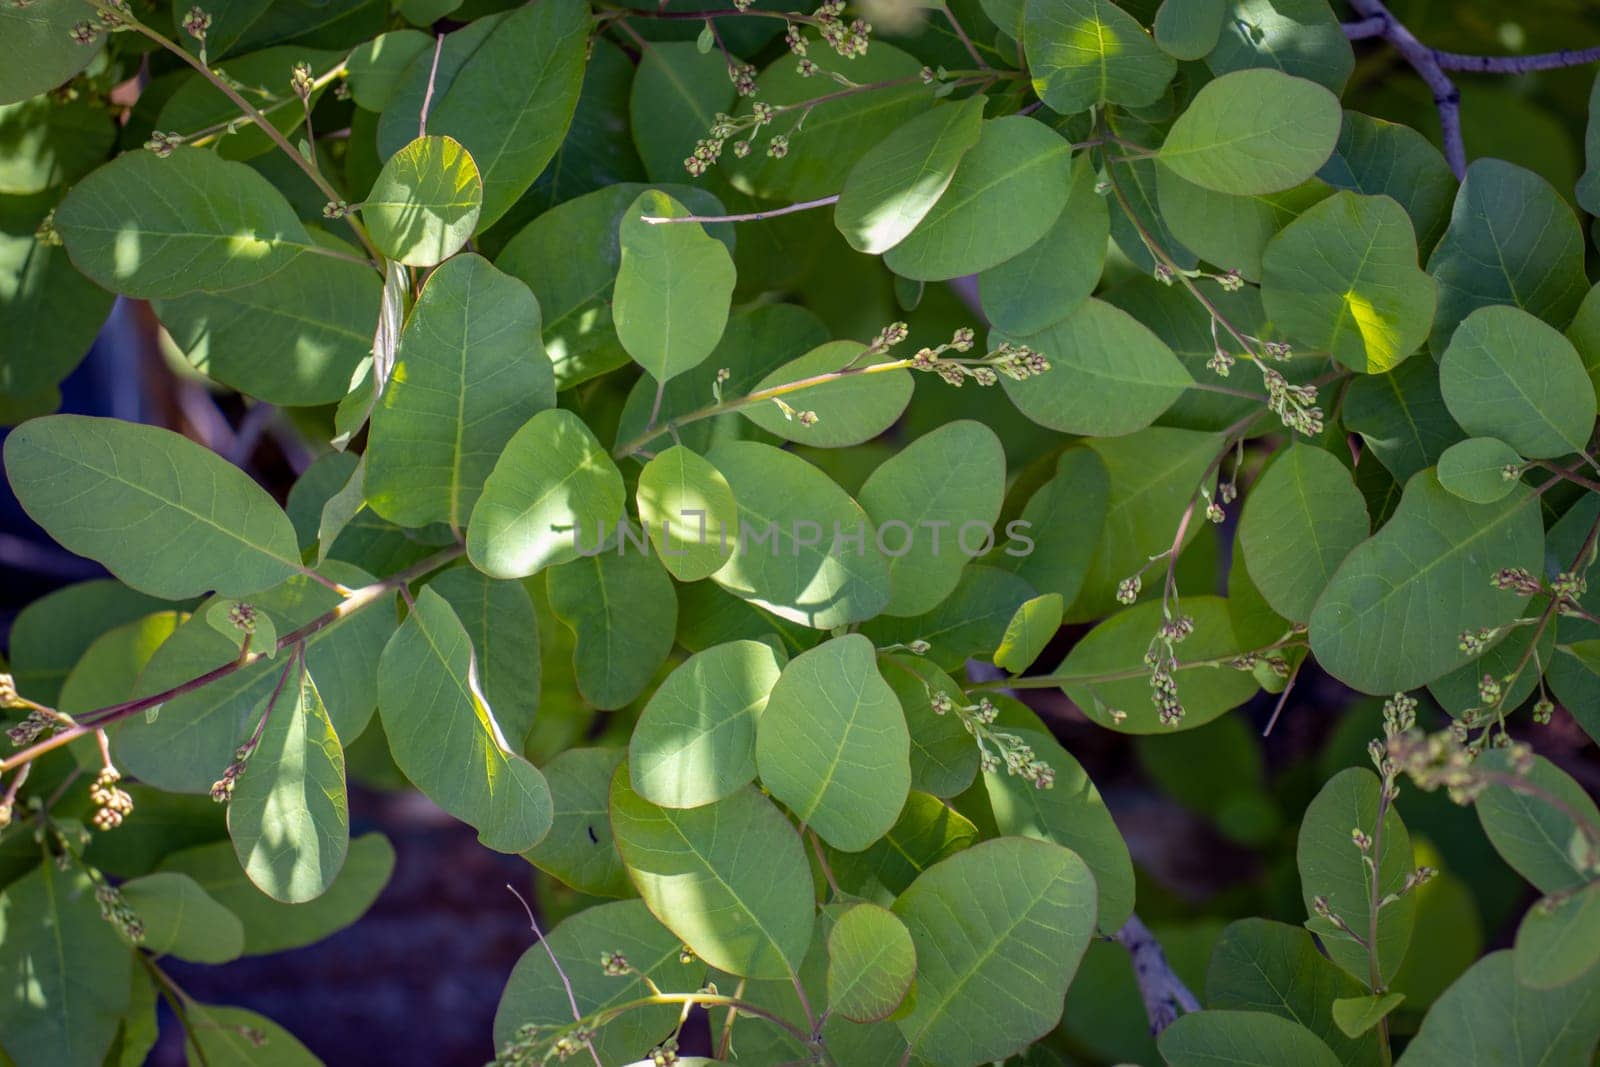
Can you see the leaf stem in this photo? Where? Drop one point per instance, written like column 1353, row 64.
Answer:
column 750, row 216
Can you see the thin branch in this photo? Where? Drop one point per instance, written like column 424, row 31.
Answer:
column 751, row 216
column 427, row 98
column 1365, row 28
column 1425, row 61
column 566, row 983
column 1163, row 992
column 1566, row 57
column 966, row 41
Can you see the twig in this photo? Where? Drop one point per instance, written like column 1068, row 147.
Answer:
column 427, row 98
column 751, row 216
column 1163, row 992
column 566, row 983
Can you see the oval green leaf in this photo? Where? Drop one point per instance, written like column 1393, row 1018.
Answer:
column 181, row 919
column 871, row 962
column 1299, row 522
column 689, row 511
column 1474, row 469
column 1254, row 131
column 1083, row 53
column 425, row 203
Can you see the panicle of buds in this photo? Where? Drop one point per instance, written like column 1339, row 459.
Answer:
column 1221, row 362
column 1476, row 643
column 1128, row 589
column 222, row 788
column 743, row 76
column 1490, row 691
column 1294, row 404
column 1569, row 585
column 1231, row 281
column 888, row 337
column 301, row 81
column 9, row 697
column 114, row 909
column 84, row 32
column 196, row 22
column 614, row 964
column 35, row 724
column 112, row 802
column 1361, row 839
column 849, row 40
column 335, row 209
column 1517, row 580
column 162, row 144
column 1544, row 709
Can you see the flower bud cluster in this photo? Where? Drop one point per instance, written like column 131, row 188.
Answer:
column 112, row 802
column 1296, row 405
column 162, row 144
column 996, row 748
column 114, row 909
column 1517, row 580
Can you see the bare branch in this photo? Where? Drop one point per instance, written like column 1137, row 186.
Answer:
column 1163, row 991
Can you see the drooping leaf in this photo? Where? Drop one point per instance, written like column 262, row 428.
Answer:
column 1512, row 239
column 871, row 963
column 832, row 744
column 673, row 287
column 784, row 558
column 469, row 373
column 1241, row 1037
column 849, row 410
column 536, row 992
column 289, row 816
column 943, row 482
column 900, row 179
column 1508, row 375
column 150, row 227
column 1344, row 277
column 1333, row 868
column 64, row 969
column 1299, row 523
column 444, row 735
column 999, row 930
column 1474, row 469
column 1391, row 617
column 1488, row 1017
column 1109, row 375
column 499, row 617
column 689, row 511
column 552, row 487
column 110, row 490
column 425, row 203
column 1254, row 131
column 730, row 878
column 623, row 609
column 695, row 742
column 271, row 926
column 579, row 849
column 512, row 100
column 1085, row 53
column 1007, row 191
column 180, row 919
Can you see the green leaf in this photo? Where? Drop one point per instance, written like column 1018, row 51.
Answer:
column 1344, row 277
column 1299, row 523
column 51, row 634
column 1232, row 231
column 622, row 606
column 579, row 849
column 899, row 180
column 969, row 622
column 289, row 817
column 679, row 490
column 64, row 969
column 730, row 878
column 1057, row 272
column 1076, row 495
column 124, row 494
column 1332, row 866
column 1254, row 131
column 1109, row 375
column 180, row 919
column 42, row 52
column 551, row 486
column 672, row 102
column 500, row 618
column 1588, row 187
column 673, row 287
column 1152, row 477
column 1188, row 29
column 575, row 292
column 1474, row 469
column 295, row 338
column 1558, row 941
column 1540, row 839
column 536, row 993
column 1259, row 965
column 188, row 744
column 945, row 481
column 260, row 78
column 425, row 203
column 1298, row 37
column 149, row 227
column 1028, row 632
column 1069, row 813
column 832, row 744
column 398, row 125
column 1391, row 617
column 469, row 372
column 1512, row 240
column 871, row 962
column 444, row 735
column 850, row 409
column 928, row 830
column 784, row 558
column 695, row 741
column 999, row 930
column 1381, row 158
column 1241, row 1037
column 1402, row 417
column 1117, row 647
column 512, row 101
column 1357, row 1015
column 230, row 1035
column 376, row 68
column 53, row 142
column 270, row 926
column 1088, row 52
column 1006, row 192
column 1488, row 1017
column 109, row 669
column 944, row 760
column 1508, row 375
